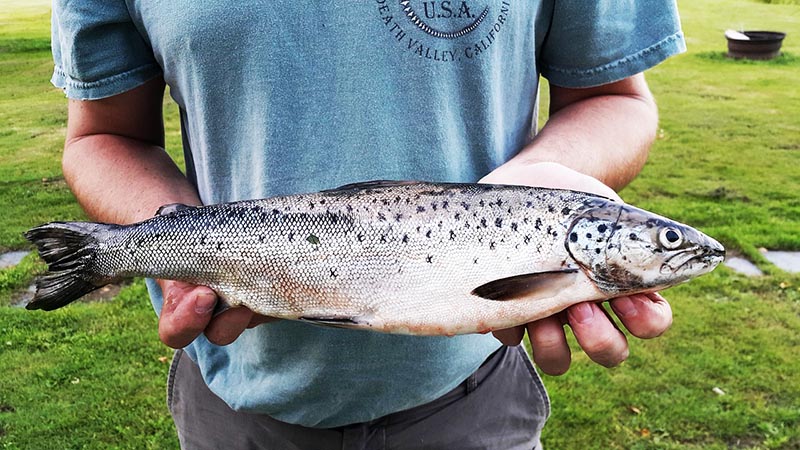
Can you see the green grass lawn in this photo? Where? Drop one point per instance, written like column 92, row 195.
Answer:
column 727, row 160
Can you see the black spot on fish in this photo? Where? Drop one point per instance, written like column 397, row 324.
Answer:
column 457, row 216
column 420, row 209
column 360, row 237
column 566, row 211
column 445, row 204
column 334, row 274
column 549, row 229
column 434, row 206
column 633, row 237
column 513, row 226
column 383, row 239
column 452, row 235
column 482, row 203
column 313, row 239
column 405, row 239
column 310, row 205
column 349, row 208
column 526, row 240
column 499, row 202
column 602, row 228
column 573, row 237
column 551, row 209
column 528, row 204
column 322, row 201
column 498, row 222
column 398, row 217
column 465, row 205
column 597, row 250
column 475, row 261
column 381, row 217
column 428, row 234
column 491, row 245
column 538, row 224
column 261, row 238
column 483, row 222
column 429, row 259
column 588, row 235
column 219, row 246
column 397, row 200
column 203, row 240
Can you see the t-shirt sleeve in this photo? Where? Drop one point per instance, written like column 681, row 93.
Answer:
column 97, row 49
column 591, row 43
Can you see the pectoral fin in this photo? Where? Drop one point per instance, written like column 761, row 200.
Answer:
column 536, row 285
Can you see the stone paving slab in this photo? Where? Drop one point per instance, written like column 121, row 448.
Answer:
column 786, row 261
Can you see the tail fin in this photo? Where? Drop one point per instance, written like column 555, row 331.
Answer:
column 69, row 250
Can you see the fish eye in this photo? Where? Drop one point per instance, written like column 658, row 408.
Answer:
column 670, row 238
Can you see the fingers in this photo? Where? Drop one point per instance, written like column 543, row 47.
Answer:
column 549, row 344
column 645, row 315
column 597, row 334
column 226, row 327
column 510, row 336
column 185, row 313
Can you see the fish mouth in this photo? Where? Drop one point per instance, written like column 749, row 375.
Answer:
column 706, row 257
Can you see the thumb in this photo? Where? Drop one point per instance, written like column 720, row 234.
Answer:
column 186, row 312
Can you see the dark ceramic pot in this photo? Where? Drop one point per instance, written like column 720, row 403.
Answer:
column 758, row 45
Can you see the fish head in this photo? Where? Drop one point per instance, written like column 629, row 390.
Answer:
column 624, row 249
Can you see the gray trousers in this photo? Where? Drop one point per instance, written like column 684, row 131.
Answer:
column 503, row 405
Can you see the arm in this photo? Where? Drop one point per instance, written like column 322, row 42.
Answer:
column 116, row 166
column 595, row 138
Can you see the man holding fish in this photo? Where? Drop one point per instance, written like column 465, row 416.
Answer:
column 279, row 98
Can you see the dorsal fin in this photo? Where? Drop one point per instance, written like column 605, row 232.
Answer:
column 374, row 184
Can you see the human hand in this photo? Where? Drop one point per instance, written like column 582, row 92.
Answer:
column 643, row 315
column 188, row 310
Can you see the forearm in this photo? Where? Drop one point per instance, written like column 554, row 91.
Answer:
column 605, row 136
column 122, row 180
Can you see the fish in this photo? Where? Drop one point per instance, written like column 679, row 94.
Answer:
column 420, row 258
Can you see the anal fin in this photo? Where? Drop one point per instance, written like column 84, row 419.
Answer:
column 337, row 322
column 535, row 285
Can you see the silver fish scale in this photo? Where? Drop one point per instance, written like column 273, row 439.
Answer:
column 414, row 251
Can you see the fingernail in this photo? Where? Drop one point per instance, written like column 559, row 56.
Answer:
column 204, row 303
column 624, row 307
column 582, row 313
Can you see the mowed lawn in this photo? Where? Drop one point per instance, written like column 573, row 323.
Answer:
column 727, row 160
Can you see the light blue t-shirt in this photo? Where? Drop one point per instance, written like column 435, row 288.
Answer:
column 281, row 96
